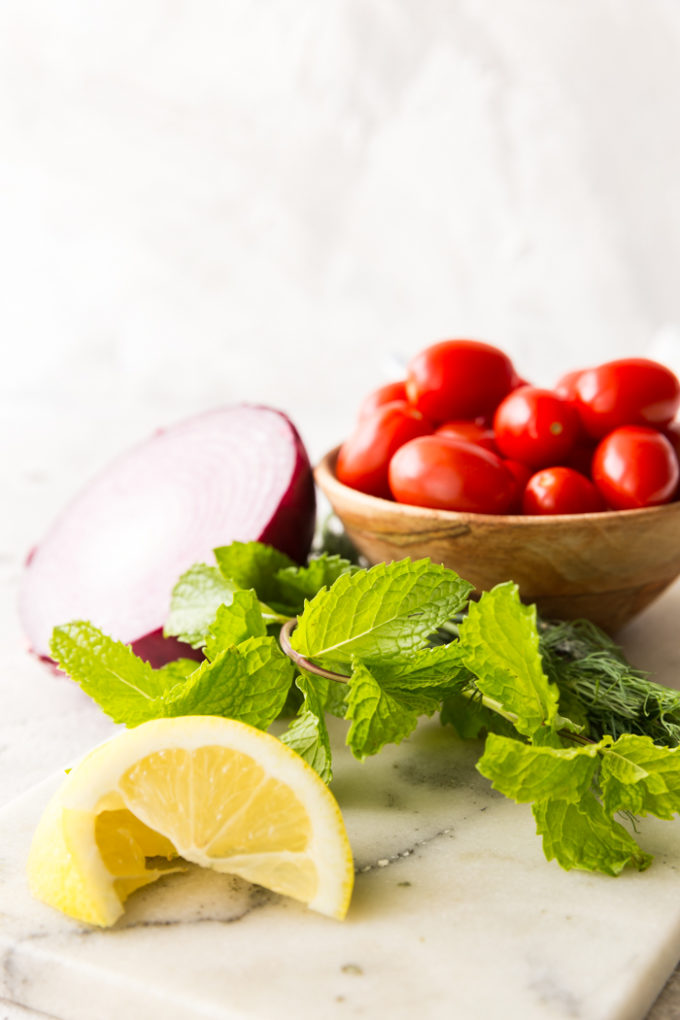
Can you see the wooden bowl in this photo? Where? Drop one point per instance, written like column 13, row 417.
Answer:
column 605, row 567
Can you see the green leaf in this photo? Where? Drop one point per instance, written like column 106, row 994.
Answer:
column 248, row 682
column 253, row 565
column 126, row 687
column 471, row 719
column 195, row 599
column 525, row 773
column 299, row 583
column 235, row 622
column 307, row 734
column 382, row 613
column 421, row 680
column 176, row 671
column 376, row 717
column 499, row 641
column 641, row 777
column 331, row 693
column 440, row 668
column 583, row 836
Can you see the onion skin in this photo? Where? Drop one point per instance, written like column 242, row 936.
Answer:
column 113, row 555
column 291, row 529
column 158, row 649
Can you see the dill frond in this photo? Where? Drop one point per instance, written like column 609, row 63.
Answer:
column 616, row 698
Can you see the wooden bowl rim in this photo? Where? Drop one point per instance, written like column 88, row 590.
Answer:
column 324, row 472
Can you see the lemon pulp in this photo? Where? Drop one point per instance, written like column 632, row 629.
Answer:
column 208, row 790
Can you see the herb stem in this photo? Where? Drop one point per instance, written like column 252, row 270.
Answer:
column 301, row 660
column 473, row 693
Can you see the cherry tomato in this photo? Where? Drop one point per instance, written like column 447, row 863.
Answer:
column 535, row 426
column 447, row 474
column 469, row 432
column 521, row 473
column 672, row 432
column 632, row 391
column 363, row 459
column 636, row 466
column 458, row 379
column 581, row 457
column 383, row 395
column 560, row 490
column 565, row 386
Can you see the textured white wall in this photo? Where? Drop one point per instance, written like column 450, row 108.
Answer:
column 242, row 199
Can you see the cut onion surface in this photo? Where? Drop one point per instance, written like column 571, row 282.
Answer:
column 114, row 554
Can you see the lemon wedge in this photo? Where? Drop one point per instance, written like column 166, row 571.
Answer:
column 212, row 791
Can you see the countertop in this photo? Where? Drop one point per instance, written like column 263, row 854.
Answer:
column 46, row 721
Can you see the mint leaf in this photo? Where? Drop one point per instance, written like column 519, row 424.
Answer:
column 307, row 734
column 499, row 641
column 440, row 668
column 525, row 773
column 249, row 682
column 176, row 672
column 421, row 680
column 471, row 719
column 195, row 599
column 332, row 694
column 376, row 717
column 126, row 687
column 378, row 614
column 582, row 836
column 299, row 583
column 235, row 622
column 641, row 777
column 253, row 565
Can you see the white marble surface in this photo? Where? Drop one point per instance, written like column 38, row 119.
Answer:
column 455, row 912
column 273, row 201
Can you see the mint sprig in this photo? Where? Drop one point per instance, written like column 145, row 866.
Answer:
column 249, row 682
column 499, row 642
column 377, row 717
column 122, row 684
column 196, row 597
column 568, row 726
column 380, row 614
column 307, row 734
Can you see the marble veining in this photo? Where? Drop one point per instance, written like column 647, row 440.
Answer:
column 455, row 912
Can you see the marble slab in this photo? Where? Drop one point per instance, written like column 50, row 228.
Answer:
column 455, row 913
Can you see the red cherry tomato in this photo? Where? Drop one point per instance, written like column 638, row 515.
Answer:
column 565, row 386
column 636, row 466
column 672, row 433
column 383, row 395
column 469, row 432
column 458, row 379
column 560, row 490
column 447, row 474
column 632, row 391
column 363, row 459
column 581, row 457
column 521, row 473
column 535, row 426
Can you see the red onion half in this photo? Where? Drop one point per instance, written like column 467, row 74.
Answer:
column 114, row 554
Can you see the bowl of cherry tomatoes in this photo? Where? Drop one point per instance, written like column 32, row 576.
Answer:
column 571, row 491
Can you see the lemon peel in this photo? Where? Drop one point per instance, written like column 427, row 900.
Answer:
column 203, row 789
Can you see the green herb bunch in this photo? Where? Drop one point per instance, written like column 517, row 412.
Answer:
column 568, row 726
